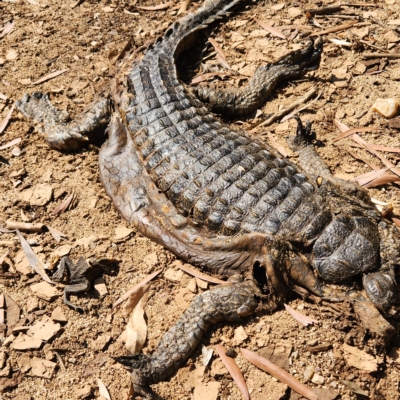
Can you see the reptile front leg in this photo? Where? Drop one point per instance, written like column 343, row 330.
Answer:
column 230, row 302
column 61, row 134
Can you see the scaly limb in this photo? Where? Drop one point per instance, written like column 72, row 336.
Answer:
column 61, row 134
column 252, row 96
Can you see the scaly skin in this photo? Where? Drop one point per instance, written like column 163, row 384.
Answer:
column 221, row 200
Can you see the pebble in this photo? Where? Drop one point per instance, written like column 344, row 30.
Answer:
column 308, row 373
column 318, row 379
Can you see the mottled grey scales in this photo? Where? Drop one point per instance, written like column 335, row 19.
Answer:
column 221, row 200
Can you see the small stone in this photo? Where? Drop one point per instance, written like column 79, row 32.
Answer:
column 218, row 368
column 100, row 287
column 22, row 264
column 44, row 330
column 62, row 251
column 3, row 358
column 183, row 298
column 84, row 392
column 308, row 373
column 202, row 284
column 39, row 195
column 26, row 81
column 312, row 342
column 121, row 233
column 58, row 315
column 108, row 9
column 25, row 342
column 294, row 12
column 11, row 55
column 42, row 368
column 173, row 275
column 151, row 260
column 100, row 343
column 192, row 286
column 45, row 291
column 24, row 363
column 318, row 379
column 240, row 335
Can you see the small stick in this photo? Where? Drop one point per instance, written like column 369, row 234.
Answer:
column 335, row 29
column 62, row 365
column 371, row 45
column 324, row 10
column 381, row 55
column 287, row 110
column 24, row 226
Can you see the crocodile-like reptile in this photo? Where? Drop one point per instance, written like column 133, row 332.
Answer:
column 219, row 199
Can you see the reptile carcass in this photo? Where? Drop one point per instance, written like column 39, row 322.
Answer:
column 219, row 199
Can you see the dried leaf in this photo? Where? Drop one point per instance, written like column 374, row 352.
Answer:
column 7, row 29
column 298, row 316
column 50, row 76
column 384, row 179
column 270, row 29
column 369, row 176
column 276, row 145
column 5, row 230
column 220, row 53
column 355, row 388
column 207, row 355
column 198, row 274
column 32, row 259
column 3, row 257
column 396, row 221
column 13, row 311
column 279, row 373
column 136, row 287
column 103, row 390
column 57, row 235
column 155, row 8
column 184, row 6
column 5, row 121
column 353, row 131
column 136, row 329
column 10, row 144
column 234, row 370
column 63, row 205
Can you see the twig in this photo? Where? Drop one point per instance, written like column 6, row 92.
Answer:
column 287, row 110
column 370, row 45
column 380, row 55
column 62, row 365
column 335, row 29
column 324, row 10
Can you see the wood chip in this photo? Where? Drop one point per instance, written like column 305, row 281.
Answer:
column 234, row 370
column 24, row 226
column 45, row 291
column 359, row 359
column 50, row 76
column 298, row 316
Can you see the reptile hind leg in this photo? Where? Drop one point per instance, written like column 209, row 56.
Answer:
column 61, row 134
column 230, row 302
column 252, row 96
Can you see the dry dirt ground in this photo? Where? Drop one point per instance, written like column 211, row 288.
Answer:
column 85, row 38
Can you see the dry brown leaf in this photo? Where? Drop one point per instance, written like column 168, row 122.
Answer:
column 7, row 28
column 396, row 221
column 279, row 373
column 136, row 329
column 383, row 148
column 384, row 179
column 369, row 176
column 50, row 76
column 57, row 235
column 10, row 144
column 357, row 157
column 270, row 29
column 13, row 311
column 63, row 205
column 5, row 121
column 198, row 274
column 136, row 287
column 3, row 257
column 276, row 145
column 220, row 53
column 155, row 8
column 234, row 370
column 298, row 316
column 103, row 390
column 350, row 132
column 32, row 259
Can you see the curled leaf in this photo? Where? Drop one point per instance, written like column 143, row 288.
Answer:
column 63, row 205
column 57, row 235
column 298, row 316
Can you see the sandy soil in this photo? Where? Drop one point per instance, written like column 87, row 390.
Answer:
column 84, row 39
